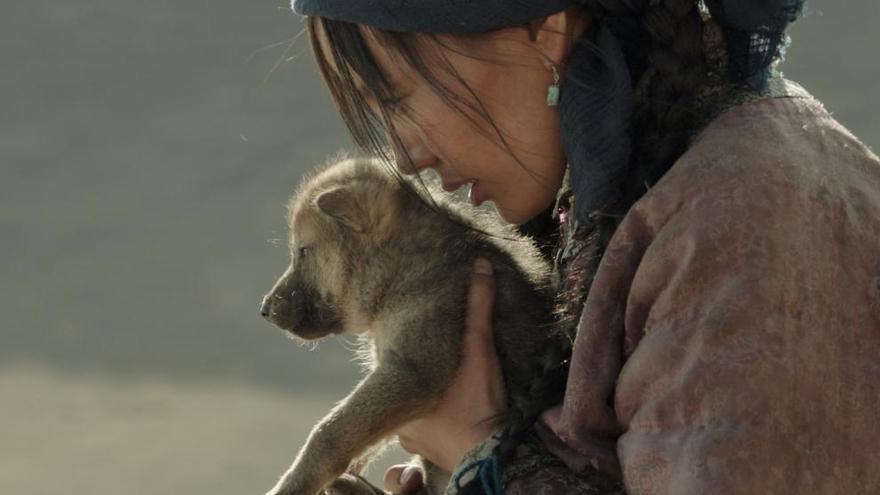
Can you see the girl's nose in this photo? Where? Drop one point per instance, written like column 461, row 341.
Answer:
column 416, row 158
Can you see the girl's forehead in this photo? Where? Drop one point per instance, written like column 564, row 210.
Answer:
column 393, row 64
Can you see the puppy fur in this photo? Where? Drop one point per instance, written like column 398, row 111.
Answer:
column 369, row 257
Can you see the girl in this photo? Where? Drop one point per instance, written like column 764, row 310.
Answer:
column 715, row 231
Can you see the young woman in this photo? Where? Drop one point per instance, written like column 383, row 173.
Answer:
column 717, row 238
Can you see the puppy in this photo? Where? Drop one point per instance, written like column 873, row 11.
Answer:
column 371, row 256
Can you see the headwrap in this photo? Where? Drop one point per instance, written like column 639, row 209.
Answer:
column 597, row 91
column 432, row 16
column 754, row 33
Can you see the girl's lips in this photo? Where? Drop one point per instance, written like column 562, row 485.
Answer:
column 452, row 186
column 475, row 195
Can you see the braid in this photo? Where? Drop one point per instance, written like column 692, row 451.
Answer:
column 666, row 50
column 544, row 390
column 664, row 119
column 547, row 385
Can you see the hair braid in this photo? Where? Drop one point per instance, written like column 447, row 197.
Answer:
column 664, row 118
column 667, row 46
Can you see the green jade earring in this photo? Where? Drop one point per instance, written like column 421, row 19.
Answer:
column 553, row 89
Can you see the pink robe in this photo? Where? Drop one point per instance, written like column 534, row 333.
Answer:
column 735, row 320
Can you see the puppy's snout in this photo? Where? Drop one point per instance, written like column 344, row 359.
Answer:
column 283, row 308
column 273, row 304
column 266, row 307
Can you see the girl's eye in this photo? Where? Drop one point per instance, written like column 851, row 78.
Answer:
column 391, row 104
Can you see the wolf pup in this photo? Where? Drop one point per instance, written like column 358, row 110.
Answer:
column 370, row 257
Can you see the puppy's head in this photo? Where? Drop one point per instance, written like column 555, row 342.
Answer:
column 336, row 218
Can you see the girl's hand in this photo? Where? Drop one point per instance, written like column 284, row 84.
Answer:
column 477, row 394
column 403, row 478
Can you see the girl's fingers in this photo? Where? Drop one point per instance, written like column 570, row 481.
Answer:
column 403, row 479
column 481, row 298
column 481, row 368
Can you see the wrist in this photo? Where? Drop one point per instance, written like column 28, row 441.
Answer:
column 470, row 463
column 471, row 440
column 444, row 446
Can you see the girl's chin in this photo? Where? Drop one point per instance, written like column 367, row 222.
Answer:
column 521, row 213
column 510, row 216
column 476, row 195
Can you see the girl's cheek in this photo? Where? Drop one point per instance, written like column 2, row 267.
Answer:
column 430, row 145
column 453, row 133
column 431, row 134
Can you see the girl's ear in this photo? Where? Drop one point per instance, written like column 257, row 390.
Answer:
column 341, row 204
column 554, row 35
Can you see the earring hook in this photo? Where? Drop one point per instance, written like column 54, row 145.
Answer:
column 553, row 89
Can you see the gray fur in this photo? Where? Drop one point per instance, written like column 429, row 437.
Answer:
column 378, row 262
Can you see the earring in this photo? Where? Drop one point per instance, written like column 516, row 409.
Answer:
column 553, row 89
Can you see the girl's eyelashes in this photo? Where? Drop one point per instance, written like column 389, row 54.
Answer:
column 392, row 103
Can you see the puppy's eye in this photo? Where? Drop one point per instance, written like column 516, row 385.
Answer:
column 303, row 251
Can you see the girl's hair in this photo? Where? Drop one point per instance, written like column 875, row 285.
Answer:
column 663, row 45
column 347, row 59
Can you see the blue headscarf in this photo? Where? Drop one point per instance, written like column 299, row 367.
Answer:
column 597, row 91
column 754, row 33
column 432, row 16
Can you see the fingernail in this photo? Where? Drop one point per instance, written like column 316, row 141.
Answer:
column 407, row 476
column 483, row 266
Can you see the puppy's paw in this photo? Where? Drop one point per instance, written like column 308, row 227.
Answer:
column 289, row 487
column 349, row 484
column 280, row 489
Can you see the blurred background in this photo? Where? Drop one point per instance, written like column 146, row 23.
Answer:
column 147, row 151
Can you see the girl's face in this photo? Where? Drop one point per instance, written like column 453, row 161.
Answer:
column 497, row 134
column 519, row 164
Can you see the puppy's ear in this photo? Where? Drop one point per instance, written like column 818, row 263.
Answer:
column 340, row 204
